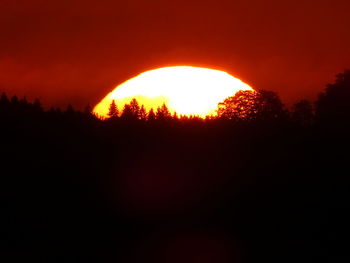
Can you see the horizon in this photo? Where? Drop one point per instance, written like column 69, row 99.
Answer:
column 152, row 131
column 80, row 51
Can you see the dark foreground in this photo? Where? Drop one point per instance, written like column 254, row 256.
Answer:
column 77, row 189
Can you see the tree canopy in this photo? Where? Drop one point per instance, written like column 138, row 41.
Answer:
column 333, row 103
column 247, row 105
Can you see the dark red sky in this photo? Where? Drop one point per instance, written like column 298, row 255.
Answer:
column 76, row 51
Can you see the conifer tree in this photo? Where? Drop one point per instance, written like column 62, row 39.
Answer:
column 175, row 116
column 127, row 112
column 4, row 103
column 87, row 110
column 14, row 100
column 163, row 113
column 37, row 105
column 135, row 109
column 4, row 99
column 70, row 111
column 151, row 115
column 23, row 101
column 113, row 111
column 143, row 113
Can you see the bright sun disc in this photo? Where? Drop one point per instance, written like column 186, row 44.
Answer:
column 185, row 90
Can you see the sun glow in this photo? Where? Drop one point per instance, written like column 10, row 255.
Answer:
column 185, row 90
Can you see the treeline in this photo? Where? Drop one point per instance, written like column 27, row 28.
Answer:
column 259, row 182
column 244, row 106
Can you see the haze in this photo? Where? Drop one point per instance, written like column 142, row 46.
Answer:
column 78, row 51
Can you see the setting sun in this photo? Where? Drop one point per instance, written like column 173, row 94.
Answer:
column 185, row 90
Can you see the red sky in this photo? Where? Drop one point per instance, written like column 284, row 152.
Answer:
column 76, row 51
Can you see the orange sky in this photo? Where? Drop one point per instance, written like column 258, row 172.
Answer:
column 77, row 51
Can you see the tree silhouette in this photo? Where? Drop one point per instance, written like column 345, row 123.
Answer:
column 163, row 113
column 70, row 110
column 135, row 109
column 4, row 105
column 14, row 100
column 4, row 99
column 302, row 112
column 270, row 106
column 143, row 113
column 37, row 105
column 70, row 113
column 241, row 106
column 87, row 110
column 127, row 113
column 333, row 104
column 252, row 106
column 4, row 102
column 131, row 111
column 151, row 115
column 113, row 111
column 23, row 101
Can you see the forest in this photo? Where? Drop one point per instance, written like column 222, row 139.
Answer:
column 258, row 182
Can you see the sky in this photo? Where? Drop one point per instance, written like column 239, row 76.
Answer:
column 76, row 51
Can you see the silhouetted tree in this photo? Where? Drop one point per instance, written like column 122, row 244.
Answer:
column 87, row 110
column 163, row 113
column 151, row 115
column 37, row 105
column 333, row 104
column 70, row 113
column 252, row 106
column 175, row 116
column 23, row 105
column 4, row 99
column 241, row 106
column 127, row 113
column 270, row 106
column 70, row 109
column 113, row 111
column 55, row 113
column 24, row 101
column 14, row 100
column 302, row 112
column 135, row 109
column 131, row 111
column 4, row 105
column 4, row 102
column 143, row 113
column 88, row 113
column 184, row 118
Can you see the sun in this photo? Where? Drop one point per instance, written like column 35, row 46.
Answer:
column 185, row 90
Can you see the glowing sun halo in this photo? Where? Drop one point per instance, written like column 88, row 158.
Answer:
column 186, row 90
